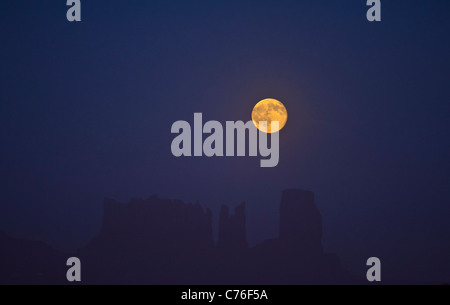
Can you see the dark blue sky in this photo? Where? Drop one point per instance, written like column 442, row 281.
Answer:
column 86, row 110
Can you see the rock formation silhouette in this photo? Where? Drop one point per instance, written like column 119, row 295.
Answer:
column 232, row 230
column 296, row 256
column 162, row 241
column 153, row 241
column 165, row 241
column 300, row 221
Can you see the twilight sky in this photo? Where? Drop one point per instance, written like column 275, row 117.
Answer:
column 86, row 110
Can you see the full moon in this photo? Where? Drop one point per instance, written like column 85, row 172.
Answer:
column 267, row 111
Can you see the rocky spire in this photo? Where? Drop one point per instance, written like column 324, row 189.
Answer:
column 232, row 231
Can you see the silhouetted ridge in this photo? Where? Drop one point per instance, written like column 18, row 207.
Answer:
column 166, row 241
column 150, row 241
column 163, row 241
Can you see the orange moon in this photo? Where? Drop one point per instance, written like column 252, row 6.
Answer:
column 267, row 111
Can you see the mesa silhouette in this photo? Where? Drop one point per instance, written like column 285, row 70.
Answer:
column 162, row 241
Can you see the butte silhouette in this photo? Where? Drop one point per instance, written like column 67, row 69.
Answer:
column 162, row 241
